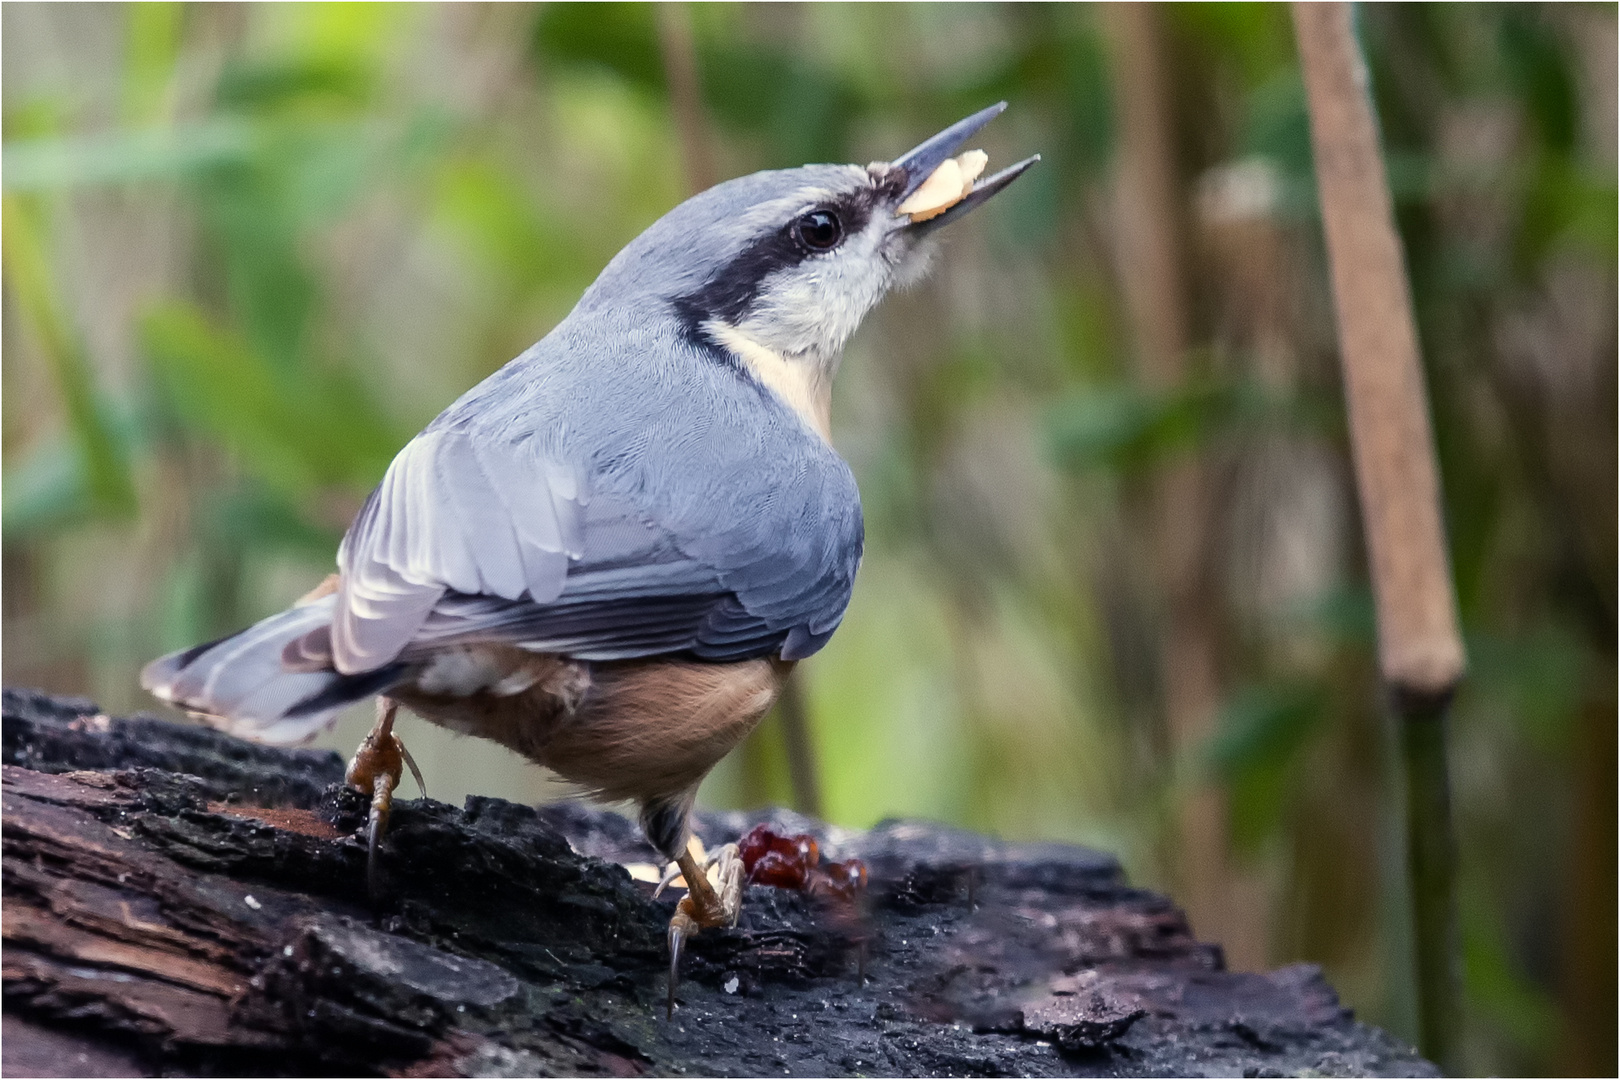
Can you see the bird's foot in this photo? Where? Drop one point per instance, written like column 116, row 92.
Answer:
column 707, row 903
column 376, row 769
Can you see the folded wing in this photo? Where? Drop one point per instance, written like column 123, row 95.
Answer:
column 471, row 537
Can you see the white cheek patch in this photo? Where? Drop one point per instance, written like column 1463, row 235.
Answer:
column 946, row 186
column 810, row 310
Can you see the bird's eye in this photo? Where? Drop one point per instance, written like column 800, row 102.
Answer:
column 820, row 230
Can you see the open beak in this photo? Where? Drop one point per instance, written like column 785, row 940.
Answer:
column 921, row 162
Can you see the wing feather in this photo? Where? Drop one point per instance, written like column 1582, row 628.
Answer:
column 663, row 527
column 523, row 487
column 480, row 523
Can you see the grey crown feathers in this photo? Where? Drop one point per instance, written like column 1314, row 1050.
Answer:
column 629, row 486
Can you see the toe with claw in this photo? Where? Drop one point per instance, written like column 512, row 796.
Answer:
column 376, row 769
column 707, row 903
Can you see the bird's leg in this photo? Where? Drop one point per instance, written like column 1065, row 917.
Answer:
column 375, row 769
column 704, row 904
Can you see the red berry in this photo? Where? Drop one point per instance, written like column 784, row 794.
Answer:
column 782, row 871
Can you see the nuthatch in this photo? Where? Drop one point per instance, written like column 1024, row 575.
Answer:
column 608, row 555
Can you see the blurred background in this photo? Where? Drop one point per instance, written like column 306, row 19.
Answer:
column 1113, row 589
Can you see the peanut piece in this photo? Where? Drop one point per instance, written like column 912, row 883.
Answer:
column 948, row 185
column 972, row 165
column 941, row 190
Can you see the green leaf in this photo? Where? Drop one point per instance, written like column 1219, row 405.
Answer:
column 255, row 516
column 1255, row 750
column 623, row 38
column 151, row 48
column 1507, row 997
column 125, row 157
column 273, row 294
column 47, row 490
column 1570, row 206
column 1538, row 677
column 494, row 215
column 1124, row 426
column 103, row 454
column 1347, row 615
column 319, row 85
column 801, row 109
column 298, row 434
column 1256, row 39
column 1543, row 75
column 1105, row 426
column 1263, row 725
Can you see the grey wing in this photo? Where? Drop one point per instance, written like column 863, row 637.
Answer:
column 472, row 538
column 449, row 515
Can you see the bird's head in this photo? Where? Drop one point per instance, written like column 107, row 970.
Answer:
column 780, row 267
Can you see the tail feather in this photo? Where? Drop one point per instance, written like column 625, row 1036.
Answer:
column 240, row 684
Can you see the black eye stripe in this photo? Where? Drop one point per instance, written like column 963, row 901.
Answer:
column 730, row 293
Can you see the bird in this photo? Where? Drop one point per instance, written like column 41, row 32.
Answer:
column 608, row 555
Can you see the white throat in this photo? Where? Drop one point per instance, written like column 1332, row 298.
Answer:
column 804, row 384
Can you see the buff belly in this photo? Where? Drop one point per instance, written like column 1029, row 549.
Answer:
column 647, row 730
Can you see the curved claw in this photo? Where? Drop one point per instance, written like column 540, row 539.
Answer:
column 670, row 874
column 416, row 774
column 376, row 822
column 703, row 905
column 681, row 927
column 376, row 769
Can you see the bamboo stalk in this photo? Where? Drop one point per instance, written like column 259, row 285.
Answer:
column 1222, row 902
column 1420, row 651
column 1147, row 198
column 803, row 774
column 679, row 51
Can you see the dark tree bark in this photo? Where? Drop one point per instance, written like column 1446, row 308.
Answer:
column 178, row 901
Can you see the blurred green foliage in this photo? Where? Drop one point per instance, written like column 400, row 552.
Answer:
column 248, row 250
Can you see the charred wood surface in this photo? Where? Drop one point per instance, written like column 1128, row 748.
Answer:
column 179, row 902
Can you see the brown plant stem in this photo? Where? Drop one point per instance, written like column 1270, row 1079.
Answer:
column 1151, row 258
column 803, row 774
column 1420, row 650
column 686, row 95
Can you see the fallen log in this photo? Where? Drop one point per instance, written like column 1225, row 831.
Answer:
column 180, row 902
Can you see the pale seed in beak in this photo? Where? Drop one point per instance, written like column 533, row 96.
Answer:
column 945, row 187
column 972, row 164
